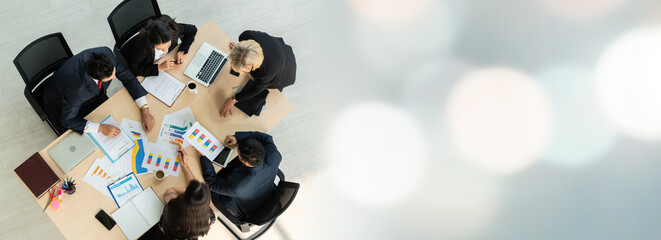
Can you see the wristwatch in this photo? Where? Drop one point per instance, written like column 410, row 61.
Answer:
column 144, row 106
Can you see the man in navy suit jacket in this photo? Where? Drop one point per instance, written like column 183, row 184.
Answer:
column 246, row 183
column 79, row 86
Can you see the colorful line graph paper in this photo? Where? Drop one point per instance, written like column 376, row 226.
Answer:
column 174, row 127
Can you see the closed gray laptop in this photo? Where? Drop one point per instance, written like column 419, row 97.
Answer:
column 71, row 150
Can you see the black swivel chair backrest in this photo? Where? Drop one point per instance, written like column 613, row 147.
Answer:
column 280, row 200
column 36, row 61
column 129, row 16
column 283, row 196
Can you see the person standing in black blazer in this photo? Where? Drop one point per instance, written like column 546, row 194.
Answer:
column 269, row 61
column 155, row 40
column 79, row 86
column 240, row 189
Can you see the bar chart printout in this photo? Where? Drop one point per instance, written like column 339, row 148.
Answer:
column 159, row 156
column 125, row 188
column 203, row 140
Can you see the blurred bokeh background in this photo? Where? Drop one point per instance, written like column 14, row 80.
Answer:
column 505, row 119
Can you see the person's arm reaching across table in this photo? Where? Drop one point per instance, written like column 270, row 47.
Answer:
column 216, row 184
column 173, row 192
column 138, row 93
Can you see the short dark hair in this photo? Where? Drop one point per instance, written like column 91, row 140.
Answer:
column 188, row 216
column 99, row 66
column 252, row 151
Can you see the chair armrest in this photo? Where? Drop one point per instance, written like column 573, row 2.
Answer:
column 281, row 175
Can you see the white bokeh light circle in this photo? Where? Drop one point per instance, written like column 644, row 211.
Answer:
column 500, row 119
column 377, row 154
column 628, row 85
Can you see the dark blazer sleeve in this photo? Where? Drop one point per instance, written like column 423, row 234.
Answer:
column 251, row 90
column 69, row 112
column 218, row 185
column 188, row 31
column 127, row 78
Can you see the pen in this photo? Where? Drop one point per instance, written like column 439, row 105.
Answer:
column 181, row 155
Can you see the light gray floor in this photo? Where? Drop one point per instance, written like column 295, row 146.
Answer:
column 84, row 25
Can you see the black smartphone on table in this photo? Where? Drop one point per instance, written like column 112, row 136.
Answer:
column 106, row 220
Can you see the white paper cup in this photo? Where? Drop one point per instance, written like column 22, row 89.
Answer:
column 160, row 175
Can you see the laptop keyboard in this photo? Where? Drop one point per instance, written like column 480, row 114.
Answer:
column 208, row 70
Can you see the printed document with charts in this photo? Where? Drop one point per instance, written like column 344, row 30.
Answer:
column 164, row 87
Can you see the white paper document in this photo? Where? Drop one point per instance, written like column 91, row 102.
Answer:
column 139, row 214
column 133, row 129
column 164, row 87
column 113, row 147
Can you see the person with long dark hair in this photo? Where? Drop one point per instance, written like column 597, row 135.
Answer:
column 187, row 213
column 158, row 37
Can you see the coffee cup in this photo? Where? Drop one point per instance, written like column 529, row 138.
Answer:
column 160, row 175
column 192, row 87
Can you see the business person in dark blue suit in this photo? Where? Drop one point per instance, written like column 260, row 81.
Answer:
column 246, row 183
column 79, row 86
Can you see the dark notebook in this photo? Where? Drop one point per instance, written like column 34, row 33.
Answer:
column 37, row 175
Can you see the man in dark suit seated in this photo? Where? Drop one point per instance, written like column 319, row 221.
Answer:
column 241, row 188
column 79, row 86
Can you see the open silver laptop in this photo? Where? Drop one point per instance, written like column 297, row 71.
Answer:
column 71, row 150
column 206, row 65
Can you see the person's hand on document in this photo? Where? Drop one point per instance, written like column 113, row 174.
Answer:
column 184, row 158
column 147, row 119
column 109, row 130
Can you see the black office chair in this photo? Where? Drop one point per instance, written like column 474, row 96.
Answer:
column 128, row 18
column 35, row 62
column 265, row 217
